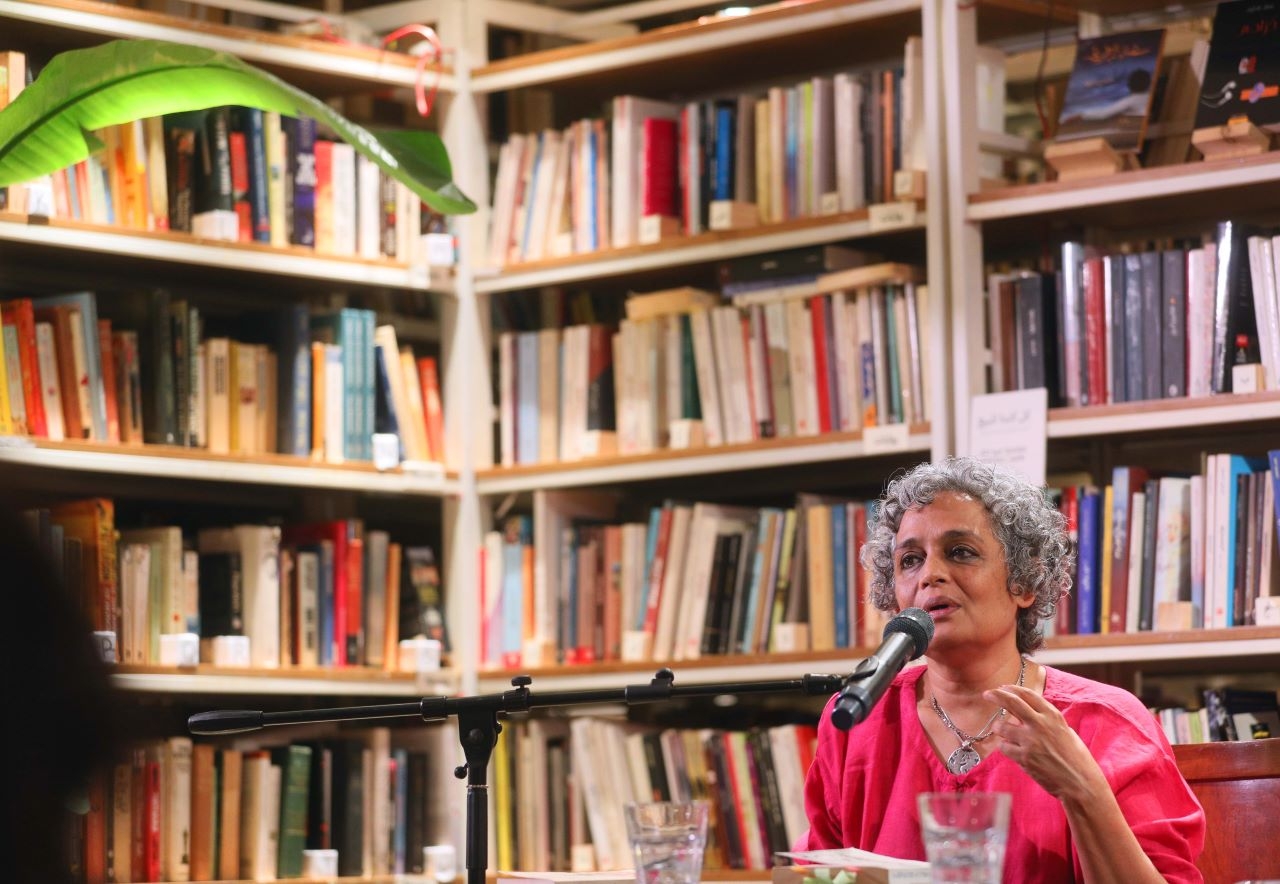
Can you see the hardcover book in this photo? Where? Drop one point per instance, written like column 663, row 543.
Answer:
column 1109, row 92
column 1242, row 75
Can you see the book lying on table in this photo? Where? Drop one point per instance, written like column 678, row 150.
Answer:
column 849, row 865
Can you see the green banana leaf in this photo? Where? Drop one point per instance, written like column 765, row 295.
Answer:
column 50, row 124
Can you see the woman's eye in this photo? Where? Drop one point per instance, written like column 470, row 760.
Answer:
column 962, row 552
column 910, row 560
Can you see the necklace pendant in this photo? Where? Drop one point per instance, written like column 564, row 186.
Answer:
column 963, row 760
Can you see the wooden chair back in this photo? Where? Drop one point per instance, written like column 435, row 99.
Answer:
column 1238, row 784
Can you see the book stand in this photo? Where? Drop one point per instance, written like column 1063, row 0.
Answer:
column 657, row 228
column 732, row 215
column 478, row 725
column 1087, row 158
column 1238, row 137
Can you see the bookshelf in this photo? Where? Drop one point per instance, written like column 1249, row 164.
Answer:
column 952, row 230
column 22, row 237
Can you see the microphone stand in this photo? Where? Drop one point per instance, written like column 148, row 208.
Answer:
column 478, row 726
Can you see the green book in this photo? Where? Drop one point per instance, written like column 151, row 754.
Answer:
column 295, row 766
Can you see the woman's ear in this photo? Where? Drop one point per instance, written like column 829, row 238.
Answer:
column 1021, row 597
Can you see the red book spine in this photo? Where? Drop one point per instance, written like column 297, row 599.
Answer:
column 21, row 315
column 153, row 814
column 1095, row 332
column 656, row 571
column 355, row 600
column 138, row 816
column 429, row 380
column 658, row 168
column 240, row 185
column 818, row 319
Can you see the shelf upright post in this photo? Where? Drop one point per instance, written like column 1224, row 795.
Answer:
column 936, row 340
column 960, row 106
column 464, row 352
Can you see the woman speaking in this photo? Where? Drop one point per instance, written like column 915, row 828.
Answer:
column 1097, row 796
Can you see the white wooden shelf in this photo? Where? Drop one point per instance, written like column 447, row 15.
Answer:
column 333, row 61
column 171, row 462
column 670, row 464
column 705, row 37
column 1243, row 643
column 703, row 248
column 1138, row 186
column 180, row 248
column 284, row 682
column 1163, row 414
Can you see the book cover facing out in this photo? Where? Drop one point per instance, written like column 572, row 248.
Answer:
column 1109, row 92
column 1242, row 76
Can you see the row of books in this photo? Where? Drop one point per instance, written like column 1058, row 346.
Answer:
column 685, row 370
column 825, row 145
column 571, row 585
column 1168, row 552
column 560, row 787
column 235, row 174
column 175, row 810
column 1227, row 714
column 312, row 595
column 1131, row 325
column 308, row 383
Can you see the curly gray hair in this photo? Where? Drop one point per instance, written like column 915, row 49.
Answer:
column 1032, row 533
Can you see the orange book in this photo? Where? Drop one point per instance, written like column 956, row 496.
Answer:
column 93, row 522
column 429, row 381
column 317, row 400
column 20, row 315
column 230, row 764
column 95, row 831
column 391, row 646
column 203, row 807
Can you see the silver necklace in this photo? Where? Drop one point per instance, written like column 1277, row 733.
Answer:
column 966, row 758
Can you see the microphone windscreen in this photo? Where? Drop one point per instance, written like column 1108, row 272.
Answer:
column 916, row 625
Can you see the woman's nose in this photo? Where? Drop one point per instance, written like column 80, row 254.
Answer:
column 933, row 571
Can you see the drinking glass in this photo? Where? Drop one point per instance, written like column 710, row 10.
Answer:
column 964, row 835
column 668, row 838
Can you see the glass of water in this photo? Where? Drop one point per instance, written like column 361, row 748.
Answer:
column 668, row 838
column 964, row 835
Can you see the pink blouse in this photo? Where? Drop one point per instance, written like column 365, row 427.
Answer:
column 861, row 789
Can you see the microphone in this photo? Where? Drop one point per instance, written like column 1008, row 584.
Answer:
column 906, row 637
column 227, row 721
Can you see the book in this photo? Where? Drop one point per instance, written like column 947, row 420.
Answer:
column 1110, row 89
column 1242, row 74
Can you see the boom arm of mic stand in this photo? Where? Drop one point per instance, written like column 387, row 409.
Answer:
column 478, row 727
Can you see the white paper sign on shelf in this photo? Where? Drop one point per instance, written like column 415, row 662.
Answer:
column 891, row 216
column 1009, row 430
column 886, row 438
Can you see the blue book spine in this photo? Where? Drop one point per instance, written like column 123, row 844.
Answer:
column 593, row 153
column 255, row 139
column 840, row 571
column 348, row 337
column 302, row 172
column 293, row 383
column 529, row 194
column 1088, row 571
column 895, row 415
column 1274, row 457
column 515, row 539
column 527, row 397
column 370, row 324
column 724, row 153
column 650, row 550
column 792, row 149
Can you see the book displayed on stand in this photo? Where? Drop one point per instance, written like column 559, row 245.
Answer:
column 1240, row 92
column 1107, row 103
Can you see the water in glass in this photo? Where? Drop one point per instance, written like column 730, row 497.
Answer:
column 975, row 856
column 668, row 857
